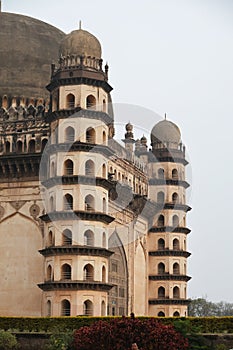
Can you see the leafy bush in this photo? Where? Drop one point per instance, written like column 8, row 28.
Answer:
column 7, row 341
column 121, row 333
column 61, row 341
column 192, row 333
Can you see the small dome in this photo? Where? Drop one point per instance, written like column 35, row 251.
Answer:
column 129, row 127
column 165, row 131
column 143, row 139
column 80, row 42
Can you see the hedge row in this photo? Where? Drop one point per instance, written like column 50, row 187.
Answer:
column 63, row 324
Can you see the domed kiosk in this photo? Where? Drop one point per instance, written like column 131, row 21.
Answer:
column 81, row 42
column 167, row 133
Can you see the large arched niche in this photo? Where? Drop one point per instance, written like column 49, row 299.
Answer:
column 140, row 285
column 21, row 267
column 118, row 275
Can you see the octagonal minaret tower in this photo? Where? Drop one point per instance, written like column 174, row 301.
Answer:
column 76, row 221
column 168, row 235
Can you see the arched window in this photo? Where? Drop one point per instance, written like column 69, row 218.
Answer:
column 160, row 221
column 104, row 138
column 19, row 147
column 70, row 101
column 90, row 135
column 161, row 292
column 7, row 147
column 161, row 268
column 49, row 273
column 104, row 240
column 104, row 171
column 103, row 308
column 176, row 314
column 68, row 202
column 174, row 174
column 176, row 244
column 5, row 102
column 65, row 307
column 66, row 237
column 50, row 239
column 32, row 146
column 175, row 221
column 176, row 293
column 52, row 169
column 68, row 167
column 104, row 206
column 91, row 102
column 89, row 238
column 48, row 308
column 160, row 197
column 161, row 314
column 89, row 168
column 88, row 308
column 175, row 198
column 103, row 274
column 51, row 204
column 176, row 269
column 88, row 273
column 66, row 272
column 69, row 134
column 89, row 203
column 161, row 173
column 104, row 106
column 43, row 144
column 161, row 244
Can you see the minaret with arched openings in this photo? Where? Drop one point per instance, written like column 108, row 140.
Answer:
column 168, row 235
column 76, row 221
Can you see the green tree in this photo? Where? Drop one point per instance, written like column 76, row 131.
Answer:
column 201, row 307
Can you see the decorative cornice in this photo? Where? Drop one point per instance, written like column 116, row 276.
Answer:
column 23, row 166
column 75, row 285
column 77, row 215
column 79, row 112
column 75, row 250
column 177, row 206
column 169, row 277
column 78, row 179
column 81, row 147
column 169, row 301
column 169, row 182
column 168, row 252
column 79, row 77
column 170, row 229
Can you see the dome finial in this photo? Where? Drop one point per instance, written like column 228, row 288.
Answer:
column 80, row 24
column 165, row 116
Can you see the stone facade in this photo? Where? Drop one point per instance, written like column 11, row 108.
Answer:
column 88, row 226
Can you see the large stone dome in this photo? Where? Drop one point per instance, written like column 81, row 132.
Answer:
column 81, row 42
column 27, row 49
column 165, row 131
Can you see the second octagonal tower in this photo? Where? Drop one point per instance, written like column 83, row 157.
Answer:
column 168, row 235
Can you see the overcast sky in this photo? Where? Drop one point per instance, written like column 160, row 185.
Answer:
column 173, row 56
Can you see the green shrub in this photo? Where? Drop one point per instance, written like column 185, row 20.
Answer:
column 7, row 341
column 61, row 341
column 221, row 347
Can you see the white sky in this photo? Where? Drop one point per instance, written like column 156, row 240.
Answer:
column 173, row 56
